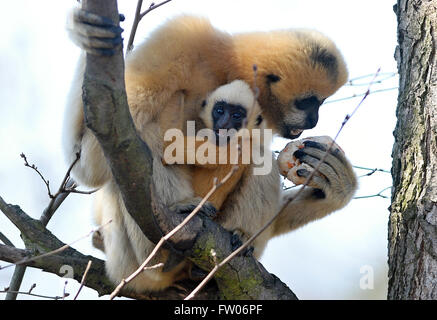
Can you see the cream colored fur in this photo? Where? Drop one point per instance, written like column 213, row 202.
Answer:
column 188, row 57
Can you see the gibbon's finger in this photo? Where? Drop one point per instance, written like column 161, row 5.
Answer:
column 324, row 168
column 317, row 181
column 96, row 31
column 98, row 43
column 336, row 152
column 336, row 159
column 84, row 16
column 98, row 52
column 186, row 207
column 336, row 164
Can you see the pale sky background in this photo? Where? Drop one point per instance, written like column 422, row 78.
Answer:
column 322, row 260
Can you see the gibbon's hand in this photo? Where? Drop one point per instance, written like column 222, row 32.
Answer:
column 95, row 34
column 187, row 206
column 334, row 178
column 237, row 239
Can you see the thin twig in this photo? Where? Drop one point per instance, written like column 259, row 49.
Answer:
column 82, row 282
column 64, row 292
column 153, row 6
column 64, row 247
column 33, row 286
column 33, row 294
column 253, row 237
column 137, row 18
column 67, row 186
column 46, row 182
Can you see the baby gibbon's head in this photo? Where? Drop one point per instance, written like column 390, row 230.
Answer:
column 231, row 106
column 297, row 71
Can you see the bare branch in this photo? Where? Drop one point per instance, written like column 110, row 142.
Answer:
column 55, row 251
column 82, row 282
column 153, row 6
column 46, row 182
column 137, row 18
column 5, row 240
column 32, row 294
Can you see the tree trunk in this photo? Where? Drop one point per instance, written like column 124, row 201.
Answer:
column 413, row 219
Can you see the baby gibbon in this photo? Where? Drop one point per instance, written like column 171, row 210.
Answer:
column 230, row 109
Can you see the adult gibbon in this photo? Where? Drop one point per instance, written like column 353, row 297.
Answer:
column 297, row 71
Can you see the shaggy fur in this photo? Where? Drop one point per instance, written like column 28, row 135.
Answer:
column 187, row 59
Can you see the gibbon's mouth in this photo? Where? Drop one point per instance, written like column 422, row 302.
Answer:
column 294, row 133
column 223, row 136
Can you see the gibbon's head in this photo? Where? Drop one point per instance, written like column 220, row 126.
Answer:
column 231, row 106
column 296, row 71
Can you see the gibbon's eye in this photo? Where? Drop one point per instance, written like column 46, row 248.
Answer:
column 259, row 119
column 203, row 104
column 218, row 111
column 272, row 78
column 237, row 116
column 308, row 103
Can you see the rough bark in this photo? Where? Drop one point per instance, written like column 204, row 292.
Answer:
column 413, row 218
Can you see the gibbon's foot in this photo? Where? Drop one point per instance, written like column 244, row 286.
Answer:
column 95, row 34
column 236, row 242
column 186, row 207
column 196, row 274
column 173, row 260
column 334, row 174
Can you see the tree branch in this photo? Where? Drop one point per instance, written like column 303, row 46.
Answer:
column 40, row 240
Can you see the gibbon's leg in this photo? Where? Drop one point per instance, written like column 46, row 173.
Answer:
column 248, row 208
column 93, row 33
column 332, row 188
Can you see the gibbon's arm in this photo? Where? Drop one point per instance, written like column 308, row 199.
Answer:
column 330, row 190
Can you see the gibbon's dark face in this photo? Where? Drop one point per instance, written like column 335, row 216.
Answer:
column 227, row 116
column 310, row 106
column 299, row 114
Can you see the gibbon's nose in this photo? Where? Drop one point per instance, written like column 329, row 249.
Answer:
column 311, row 120
column 224, row 122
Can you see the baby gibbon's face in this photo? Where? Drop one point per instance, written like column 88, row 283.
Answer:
column 229, row 108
